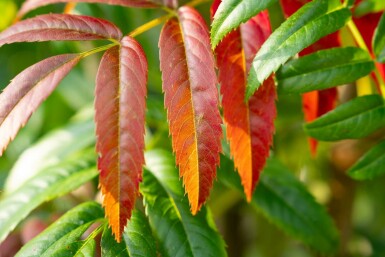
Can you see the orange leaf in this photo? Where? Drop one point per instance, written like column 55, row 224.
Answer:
column 250, row 126
column 191, row 99
column 120, row 114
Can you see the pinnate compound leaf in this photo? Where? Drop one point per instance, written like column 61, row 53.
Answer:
column 178, row 232
column 371, row 165
column 120, row 107
column 59, row 27
column 355, row 119
column 285, row 201
column 324, row 69
column 30, row 5
column 45, row 186
column 28, row 90
column 251, row 123
column 63, row 232
column 191, row 99
column 232, row 13
column 379, row 40
column 312, row 22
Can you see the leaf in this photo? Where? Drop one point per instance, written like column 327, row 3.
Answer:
column 379, row 40
column 285, row 201
column 50, row 150
column 191, row 99
column 111, row 248
column 28, row 90
column 45, row 186
column 178, row 232
column 324, row 69
column 368, row 6
column 312, row 22
column 249, row 126
column 51, row 27
column 371, row 165
column 120, row 107
column 232, row 13
column 355, row 119
column 84, row 248
column 66, row 230
column 30, row 5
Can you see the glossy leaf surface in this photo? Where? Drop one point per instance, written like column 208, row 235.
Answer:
column 191, row 99
column 178, row 232
column 355, row 119
column 51, row 27
column 65, row 231
column 324, row 69
column 232, row 13
column 120, row 114
column 250, row 126
column 30, row 5
column 285, row 201
column 45, row 186
column 312, row 22
column 371, row 165
column 379, row 40
column 28, row 90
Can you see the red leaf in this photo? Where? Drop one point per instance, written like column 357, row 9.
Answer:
column 250, row 126
column 60, row 27
column 191, row 99
column 28, row 90
column 120, row 116
column 315, row 103
column 30, row 5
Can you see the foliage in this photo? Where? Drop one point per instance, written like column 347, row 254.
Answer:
column 232, row 74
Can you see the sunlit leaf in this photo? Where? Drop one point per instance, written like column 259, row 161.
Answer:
column 120, row 114
column 178, row 232
column 28, row 90
column 324, row 69
column 45, row 186
column 232, row 13
column 191, row 99
column 355, row 119
column 312, row 22
column 379, row 40
column 50, row 27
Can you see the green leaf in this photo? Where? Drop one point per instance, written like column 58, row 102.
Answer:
column 84, row 248
column 355, row 119
column 286, row 202
column 111, row 248
column 232, row 13
column 324, row 69
column 310, row 23
column 371, row 165
column 369, row 6
column 379, row 40
column 45, row 186
column 63, row 232
column 179, row 232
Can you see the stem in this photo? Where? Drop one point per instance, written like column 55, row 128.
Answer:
column 361, row 43
column 98, row 49
column 150, row 25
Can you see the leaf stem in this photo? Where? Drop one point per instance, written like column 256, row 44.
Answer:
column 361, row 43
column 151, row 24
column 98, row 49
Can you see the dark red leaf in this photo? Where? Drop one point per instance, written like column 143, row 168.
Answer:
column 60, row 27
column 120, row 117
column 28, row 90
column 191, row 98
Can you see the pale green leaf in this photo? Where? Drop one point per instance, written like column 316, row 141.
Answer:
column 379, row 40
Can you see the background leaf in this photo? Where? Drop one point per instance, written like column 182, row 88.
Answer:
column 355, row 119
column 191, row 99
column 120, row 115
column 312, row 22
column 47, row 185
column 232, row 13
column 379, row 40
column 28, row 90
column 371, row 165
column 51, row 27
column 324, row 69
column 179, row 232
